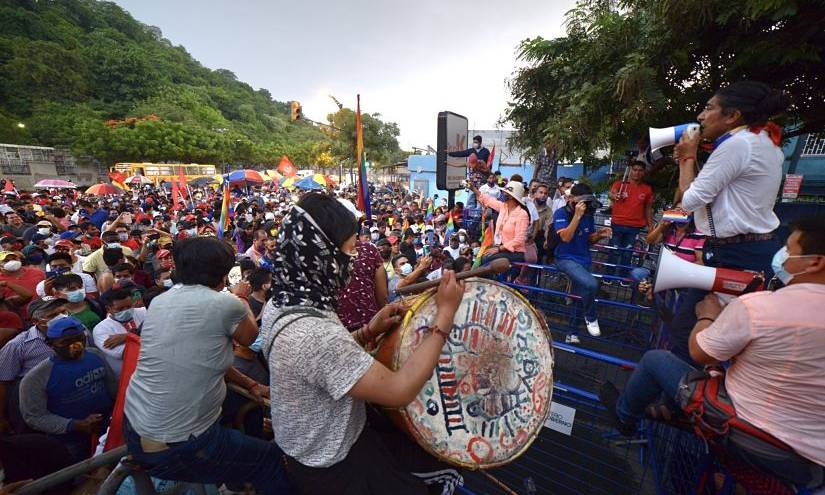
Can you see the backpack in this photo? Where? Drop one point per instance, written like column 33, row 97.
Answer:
column 703, row 397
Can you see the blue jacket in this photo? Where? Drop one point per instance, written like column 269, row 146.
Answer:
column 481, row 153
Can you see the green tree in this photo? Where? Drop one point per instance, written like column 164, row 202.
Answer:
column 380, row 138
column 625, row 66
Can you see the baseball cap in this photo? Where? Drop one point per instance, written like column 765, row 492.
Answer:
column 39, row 237
column 8, row 240
column 44, row 304
column 64, row 327
column 69, row 235
column 6, row 254
column 31, row 247
column 64, row 244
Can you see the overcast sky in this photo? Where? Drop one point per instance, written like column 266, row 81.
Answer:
column 408, row 59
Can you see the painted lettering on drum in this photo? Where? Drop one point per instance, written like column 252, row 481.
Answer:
column 492, row 374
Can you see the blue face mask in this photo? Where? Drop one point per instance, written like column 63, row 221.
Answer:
column 123, row 316
column 778, row 264
column 76, row 296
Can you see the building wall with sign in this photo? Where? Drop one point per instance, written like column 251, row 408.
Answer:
column 805, row 156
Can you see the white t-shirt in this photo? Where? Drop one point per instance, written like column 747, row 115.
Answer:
column 314, row 363
column 108, row 327
column 492, row 192
column 740, row 180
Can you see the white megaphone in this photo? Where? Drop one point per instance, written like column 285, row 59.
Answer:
column 673, row 272
column 668, row 136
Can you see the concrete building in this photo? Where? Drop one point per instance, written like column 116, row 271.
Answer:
column 26, row 165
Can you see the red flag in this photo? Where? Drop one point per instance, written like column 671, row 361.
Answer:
column 492, row 157
column 131, row 352
column 175, row 195
column 9, row 187
column 181, row 177
column 286, row 167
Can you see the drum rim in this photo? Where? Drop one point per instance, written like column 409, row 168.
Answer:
column 403, row 330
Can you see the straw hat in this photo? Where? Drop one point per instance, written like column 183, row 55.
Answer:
column 515, row 190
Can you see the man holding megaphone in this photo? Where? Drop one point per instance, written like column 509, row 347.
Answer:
column 732, row 197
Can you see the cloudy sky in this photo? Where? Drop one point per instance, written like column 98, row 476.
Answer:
column 408, row 59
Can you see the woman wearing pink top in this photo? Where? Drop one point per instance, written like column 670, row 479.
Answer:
column 512, row 223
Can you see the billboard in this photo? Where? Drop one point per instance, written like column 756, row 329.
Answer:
column 452, row 136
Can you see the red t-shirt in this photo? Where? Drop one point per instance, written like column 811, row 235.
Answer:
column 632, row 211
column 27, row 277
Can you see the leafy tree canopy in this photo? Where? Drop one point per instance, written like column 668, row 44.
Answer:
column 67, row 67
column 628, row 65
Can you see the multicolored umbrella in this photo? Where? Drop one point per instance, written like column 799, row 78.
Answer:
column 287, row 182
column 103, row 190
column 136, row 180
column 247, row 176
column 309, row 183
column 55, row 184
column 272, row 175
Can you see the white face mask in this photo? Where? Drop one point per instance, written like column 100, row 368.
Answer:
column 462, row 238
column 406, row 269
column 374, row 236
column 12, row 266
column 44, row 231
column 168, row 283
column 476, row 146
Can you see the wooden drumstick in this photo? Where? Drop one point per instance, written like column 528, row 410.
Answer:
column 496, row 266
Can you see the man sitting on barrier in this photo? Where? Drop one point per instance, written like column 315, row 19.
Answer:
column 575, row 231
column 71, row 394
column 776, row 342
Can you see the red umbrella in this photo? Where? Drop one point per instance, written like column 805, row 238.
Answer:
column 103, row 190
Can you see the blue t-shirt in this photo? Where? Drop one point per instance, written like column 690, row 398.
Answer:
column 578, row 249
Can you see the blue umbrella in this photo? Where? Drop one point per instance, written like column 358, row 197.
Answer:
column 308, row 183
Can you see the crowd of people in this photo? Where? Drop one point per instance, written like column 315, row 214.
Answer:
column 286, row 298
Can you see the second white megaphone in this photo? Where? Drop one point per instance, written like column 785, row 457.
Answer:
column 675, row 273
column 668, row 136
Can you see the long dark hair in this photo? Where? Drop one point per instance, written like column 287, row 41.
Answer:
column 756, row 101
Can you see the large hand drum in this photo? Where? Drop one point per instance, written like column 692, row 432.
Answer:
column 490, row 393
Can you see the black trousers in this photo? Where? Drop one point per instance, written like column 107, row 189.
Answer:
column 381, row 461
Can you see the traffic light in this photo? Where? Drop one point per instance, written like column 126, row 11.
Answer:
column 295, row 111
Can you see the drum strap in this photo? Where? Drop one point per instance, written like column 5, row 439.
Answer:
column 305, row 312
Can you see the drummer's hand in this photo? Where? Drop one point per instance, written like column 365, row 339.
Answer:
column 450, row 292
column 389, row 316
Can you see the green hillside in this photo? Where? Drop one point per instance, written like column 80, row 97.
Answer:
column 69, row 66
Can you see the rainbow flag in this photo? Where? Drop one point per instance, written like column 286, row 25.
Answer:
column 363, row 184
column 429, row 209
column 222, row 224
column 486, row 242
column 450, row 227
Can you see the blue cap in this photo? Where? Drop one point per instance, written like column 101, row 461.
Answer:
column 65, row 327
column 69, row 235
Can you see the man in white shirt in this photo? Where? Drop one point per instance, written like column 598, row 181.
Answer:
column 123, row 317
column 732, row 198
column 490, row 188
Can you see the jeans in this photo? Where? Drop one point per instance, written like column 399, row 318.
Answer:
column 623, row 237
column 215, row 456
column 472, row 201
column 584, row 285
column 756, row 255
column 658, row 373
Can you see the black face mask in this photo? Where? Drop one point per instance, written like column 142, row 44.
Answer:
column 71, row 350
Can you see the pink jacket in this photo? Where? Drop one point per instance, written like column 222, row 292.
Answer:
column 511, row 225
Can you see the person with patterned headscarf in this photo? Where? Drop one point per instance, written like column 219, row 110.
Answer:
column 322, row 377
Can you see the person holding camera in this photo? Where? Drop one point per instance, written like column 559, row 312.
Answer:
column 575, row 231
